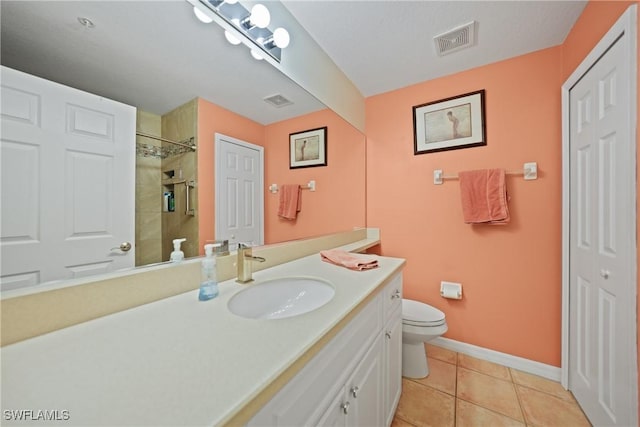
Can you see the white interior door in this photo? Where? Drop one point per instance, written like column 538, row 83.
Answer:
column 239, row 194
column 602, row 252
column 68, row 182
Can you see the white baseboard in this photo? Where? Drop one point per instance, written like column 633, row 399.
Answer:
column 515, row 362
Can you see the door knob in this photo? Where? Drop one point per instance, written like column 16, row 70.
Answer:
column 124, row 247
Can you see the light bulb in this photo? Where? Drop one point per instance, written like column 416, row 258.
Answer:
column 230, row 37
column 201, row 15
column 281, row 37
column 256, row 55
column 260, row 16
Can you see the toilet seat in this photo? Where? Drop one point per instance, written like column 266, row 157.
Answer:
column 415, row 313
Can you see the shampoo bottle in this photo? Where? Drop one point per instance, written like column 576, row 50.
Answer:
column 209, row 284
column 177, row 255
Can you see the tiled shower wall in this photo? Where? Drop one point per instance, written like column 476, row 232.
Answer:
column 180, row 124
column 148, row 193
column 155, row 229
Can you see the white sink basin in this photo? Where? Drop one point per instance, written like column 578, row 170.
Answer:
column 279, row 298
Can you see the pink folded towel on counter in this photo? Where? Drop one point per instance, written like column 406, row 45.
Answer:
column 290, row 201
column 351, row 261
column 484, row 196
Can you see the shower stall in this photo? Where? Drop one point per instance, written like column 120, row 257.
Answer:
column 166, row 171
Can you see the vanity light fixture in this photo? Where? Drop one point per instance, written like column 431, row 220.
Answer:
column 242, row 24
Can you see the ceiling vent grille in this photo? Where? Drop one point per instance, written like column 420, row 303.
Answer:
column 459, row 38
column 277, row 100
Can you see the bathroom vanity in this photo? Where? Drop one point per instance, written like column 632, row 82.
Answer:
column 179, row 361
column 355, row 379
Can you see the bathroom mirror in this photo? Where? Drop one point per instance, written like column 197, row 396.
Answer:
column 157, row 57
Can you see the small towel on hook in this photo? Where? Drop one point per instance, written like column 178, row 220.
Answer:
column 290, row 201
column 347, row 259
column 484, row 196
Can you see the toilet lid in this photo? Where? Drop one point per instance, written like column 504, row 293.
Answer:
column 420, row 314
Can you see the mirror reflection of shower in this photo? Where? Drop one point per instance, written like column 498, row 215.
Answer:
column 166, row 200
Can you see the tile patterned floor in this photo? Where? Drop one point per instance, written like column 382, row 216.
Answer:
column 463, row 391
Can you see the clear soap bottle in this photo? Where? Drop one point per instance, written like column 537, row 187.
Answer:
column 209, row 283
column 177, row 255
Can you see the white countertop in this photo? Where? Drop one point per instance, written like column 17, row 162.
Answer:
column 177, row 361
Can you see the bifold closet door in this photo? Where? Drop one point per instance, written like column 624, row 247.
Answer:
column 602, row 238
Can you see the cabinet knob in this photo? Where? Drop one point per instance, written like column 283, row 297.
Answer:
column 388, row 335
column 605, row 273
column 354, row 391
column 396, row 294
column 345, row 407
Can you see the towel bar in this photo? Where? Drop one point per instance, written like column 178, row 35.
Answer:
column 529, row 171
column 311, row 185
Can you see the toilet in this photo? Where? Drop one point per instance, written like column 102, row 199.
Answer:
column 420, row 324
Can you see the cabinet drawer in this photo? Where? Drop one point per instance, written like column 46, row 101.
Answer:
column 392, row 295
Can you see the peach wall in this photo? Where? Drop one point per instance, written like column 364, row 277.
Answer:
column 594, row 22
column 511, row 274
column 213, row 119
column 338, row 204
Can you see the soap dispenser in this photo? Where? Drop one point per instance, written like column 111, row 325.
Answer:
column 209, row 284
column 177, row 255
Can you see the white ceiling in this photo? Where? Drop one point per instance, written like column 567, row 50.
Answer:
column 386, row 45
column 155, row 55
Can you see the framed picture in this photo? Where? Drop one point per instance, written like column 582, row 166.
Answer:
column 308, row 148
column 449, row 124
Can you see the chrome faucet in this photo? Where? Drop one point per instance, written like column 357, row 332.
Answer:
column 245, row 256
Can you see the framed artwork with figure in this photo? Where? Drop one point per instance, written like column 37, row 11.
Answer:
column 308, row 148
column 449, row 124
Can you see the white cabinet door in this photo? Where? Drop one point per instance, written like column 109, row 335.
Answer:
column 68, row 182
column 310, row 395
column 336, row 413
column 360, row 401
column 365, row 392
column 393, row 365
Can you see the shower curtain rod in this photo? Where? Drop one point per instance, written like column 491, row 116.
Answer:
column 159, row 138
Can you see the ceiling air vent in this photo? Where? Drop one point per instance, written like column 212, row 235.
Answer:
column 456, row 39
column 277, row 100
